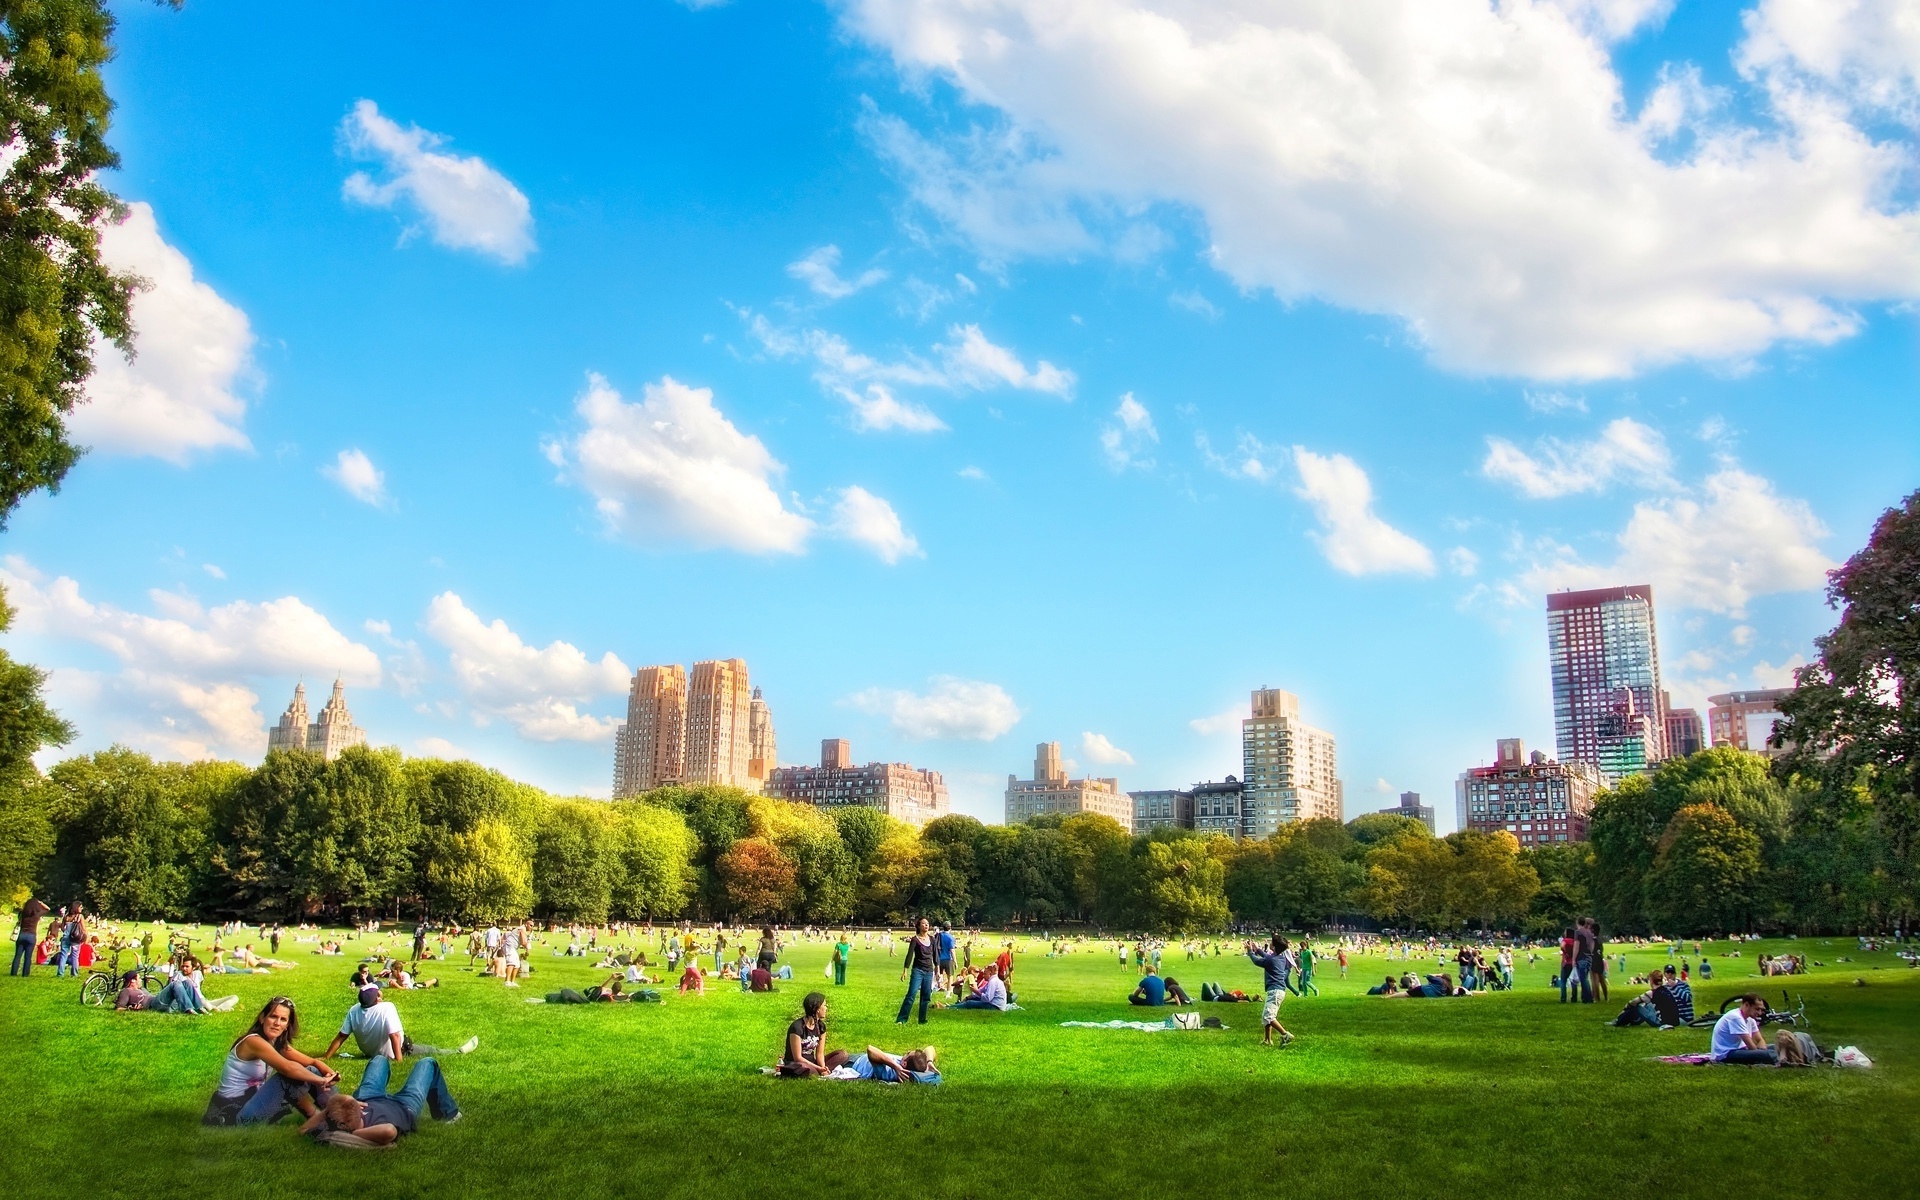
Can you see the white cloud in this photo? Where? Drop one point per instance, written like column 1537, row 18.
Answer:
column 820, row 270
column 860, row 516
column 191, row 350
column 1766, row 675
column 1470, row 168
column 1193, row 301
column 1099, row 749
column 1625, row 450
column 1251, row 458
column 973, row 473
column 538, row 691
column 674, row 469
column 1218, row 723
column 213, row 570
column 1462, row 561
column 968, row 361
column 879, row 409
column 1550, row 403
column 950, row 710
column 358, row 477
column 180, row 688
column 1715, row 548
column 978, row 363
column 1125, row 444
column 438, row 747
column 1352, row 537
column 467, row 204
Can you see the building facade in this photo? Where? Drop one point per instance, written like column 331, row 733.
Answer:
column 1608, row 707
column 1289, row 769
column 1050, row 791
column 1685, row 732
column 1221, row 808
column 761, row 759
column 333, row 732
column 1410, row 806
column 648, row 749
column 1536, row 799
column 903, row 792
column 1167, row 808
column 1744, row 720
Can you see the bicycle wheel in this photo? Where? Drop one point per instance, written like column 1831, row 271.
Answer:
column 98, row 990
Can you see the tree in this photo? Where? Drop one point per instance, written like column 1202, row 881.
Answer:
column 1564, row 869
column 575, row 861
column 455, row 801
column 863, row 830
column 1853, row 719
column 1407, row 879
column 26, row 726
column 1182, row 886
column 131, row 832
column 252, row 872
column 482, row 873
column 56, row 296
column 1488, row 881
column 1311, row 877
column 351, row 840
column 1706, row 873
column 656, row 849
column 756, row 879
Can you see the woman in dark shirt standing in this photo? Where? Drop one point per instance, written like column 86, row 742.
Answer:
column 769, row 948
column 917, row 970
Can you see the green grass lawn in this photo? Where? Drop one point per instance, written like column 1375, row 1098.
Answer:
column 1497, row 1095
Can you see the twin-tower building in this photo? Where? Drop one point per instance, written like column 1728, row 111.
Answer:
column 708, row 726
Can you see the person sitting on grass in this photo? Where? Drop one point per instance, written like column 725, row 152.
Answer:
column 1736, row 1036
column 374, row 1024
column 992, row 992
column 1682, row 994
column 1656, row 1006
column 915, row 1066
column 371, row 1115
column 805, row 1054
column 759, row 980
column 264, row 1075
column 1387, row 987
column 693, row 979
column 176, row 997
column 1152, row 992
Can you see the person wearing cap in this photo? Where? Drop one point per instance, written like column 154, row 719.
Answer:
column 374, row 1024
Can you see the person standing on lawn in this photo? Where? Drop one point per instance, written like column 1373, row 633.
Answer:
column 943, row 942
column 1306, row 968
column 1277, row 964
column 26, row 936
column 842, row 950
column 917, row 968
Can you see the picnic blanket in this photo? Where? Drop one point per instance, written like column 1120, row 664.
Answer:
column 1142, row 1026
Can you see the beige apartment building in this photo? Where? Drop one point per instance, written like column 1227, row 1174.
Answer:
column 900, row 790
column 1289, row 770
column 710, row 726
column 1050, row 791
column 719, row 724
column 327, row 737
column 648, row 750
column 1745, row 720
column 761, row 759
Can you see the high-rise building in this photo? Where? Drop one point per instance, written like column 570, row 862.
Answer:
column 1536, row 799
column 1602, row 643
column 1221, row 807
column 1410, row 806
column 1685, row 733
column 1167, row 808
column 719, row 724
column 901, row 791
column 1050, row 791
column 649, row 749
column 760, row 749
column 333, row 732
column 1289, row 769
column 1744, row 720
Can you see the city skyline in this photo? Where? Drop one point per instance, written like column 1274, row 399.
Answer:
column 972, row 413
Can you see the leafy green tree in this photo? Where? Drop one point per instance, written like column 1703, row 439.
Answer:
column 1313, row 878
column 1706, row 874
column 576, row 859
column 351, row 841
column 132, row 831
column 863, row 830
column 1182, row 886
column 455, row 800
column 1488, row 882
column 1373, row 828
column 252, row 871
column 1023, row 875
column 482, row 873
column 757, row 880
column 26, row 726
column 1407, row 880
column 56, row 296
column 1853, row 719
column 1564, row 869
column 656, row 851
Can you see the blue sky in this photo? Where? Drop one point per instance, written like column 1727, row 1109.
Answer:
column 981, row 373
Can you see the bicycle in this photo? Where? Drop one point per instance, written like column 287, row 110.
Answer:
column 1792, row 1011
column 103, row 982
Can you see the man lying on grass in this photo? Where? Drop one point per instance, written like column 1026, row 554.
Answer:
column 915, row 1066
column 373, row 1116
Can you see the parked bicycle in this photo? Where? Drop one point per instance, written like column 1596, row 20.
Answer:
column 103, row 982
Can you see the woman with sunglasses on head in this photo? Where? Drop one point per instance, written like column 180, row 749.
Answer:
column 264, row 1075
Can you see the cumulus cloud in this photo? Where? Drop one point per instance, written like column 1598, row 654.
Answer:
column 1625, row 450
column 672, row 468
column 878, row 409
column 182, row 684
column 950, row 710
column 1125, row 443
column 1251, row 458
column 820, row 271
column 1472, row 169
column 191, row 351
column 358, row 477
column 860, row 516
column 976, row 362
column 537, row 690
column 1715, row 547
column 1352, row 536
column 1218, row 723
column 467, row 204
column 1099, row 749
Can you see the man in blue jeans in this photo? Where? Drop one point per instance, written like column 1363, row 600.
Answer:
column 73, row 935
column 1736, row 1036
column 25, row 937
column 372, row 1115
column 921, row 958
column 943, row 943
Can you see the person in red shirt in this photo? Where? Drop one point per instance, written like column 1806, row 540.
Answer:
column 26, row 935
column 1567, row 945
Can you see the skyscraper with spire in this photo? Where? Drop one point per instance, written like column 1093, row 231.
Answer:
column 328, row 736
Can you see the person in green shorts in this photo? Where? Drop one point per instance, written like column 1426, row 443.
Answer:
column 1306, row 969
column 841, row 951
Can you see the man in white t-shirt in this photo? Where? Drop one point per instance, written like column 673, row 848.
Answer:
column 1736, row 1035
column 374, row 1025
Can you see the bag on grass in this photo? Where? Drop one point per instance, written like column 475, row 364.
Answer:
column 1184, row 1020
column 1850, row 1056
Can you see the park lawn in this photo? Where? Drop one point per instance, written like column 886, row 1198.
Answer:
column 1497, row 1095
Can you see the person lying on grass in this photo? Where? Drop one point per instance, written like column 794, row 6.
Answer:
column 1435, row 986
column 1155, row 991
column 991, row 993
column 371, row 1115
column 176, row 997
column 1387, row 987
column 915, row 1066
column 805, row 1053
column 264, row 1075
column 1736, row 1036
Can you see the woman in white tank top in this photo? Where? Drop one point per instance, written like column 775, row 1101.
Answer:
column 264, row 1075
